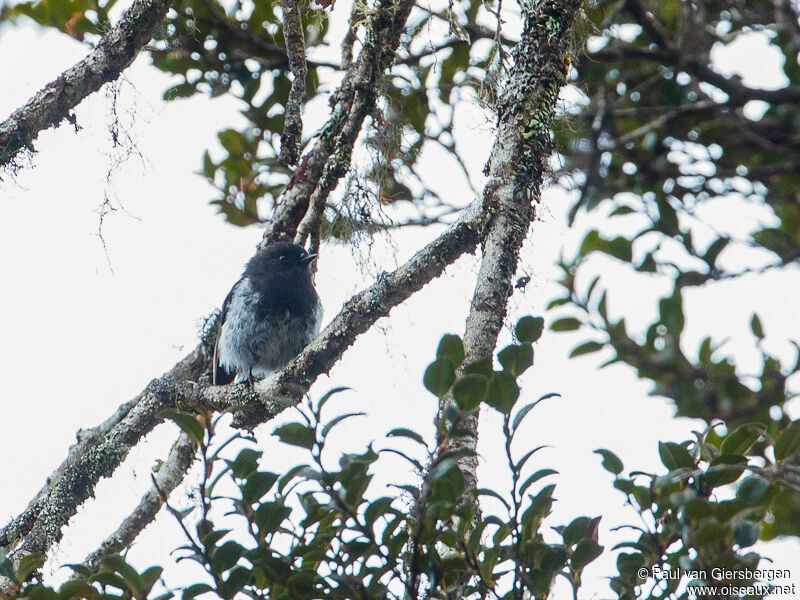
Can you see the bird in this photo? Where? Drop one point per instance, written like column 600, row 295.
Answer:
column 271, row 313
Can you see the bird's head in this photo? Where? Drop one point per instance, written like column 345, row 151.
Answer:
column 280, row 258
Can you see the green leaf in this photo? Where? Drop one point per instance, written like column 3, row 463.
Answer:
column 469, row 390
column 232, row 141
column 788, row 442
column 752, row 489
column 74, row 588
column 621, row 210
column 439, row 376
column 407, row 433
column 29, row 564
column 746, row 533
column 187, row 422
column 540, row 474
column 516, row 359
column 503, row 392
column 493, row 494
column 335, row 421
column 245, row 463
column 149, row 577
column 378, row 508
column 328, row 395
column 226, row 556
column 725, row 469
column 130, row 577
column 620, row 248
column 575, row 531
column 586, row 551
column 713, row 251
column 586, row 348
column 671, row 312
column 611, row 461
column 296, row 434
column 6, row 568
column 740, row 439
column 756, row 327
column 591, row 242
column 565, row 324
column 674, row 456
column 257, row 485
column 523, row 412
column 479, row 367
column 521, row 462
column 451, row 348
column 210, row 539
column 238, row 577
column 270, row 515
column 529, row 329
column 710, row 532
column 181, row 90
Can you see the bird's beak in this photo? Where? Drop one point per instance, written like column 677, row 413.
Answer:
column 308, row 259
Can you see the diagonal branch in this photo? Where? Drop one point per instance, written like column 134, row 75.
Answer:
column 188, row 369
column 52, row 104
column 329, row 158
column 169, row 476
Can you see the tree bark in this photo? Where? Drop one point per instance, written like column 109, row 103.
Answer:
column 52, row 104
column 517, row 168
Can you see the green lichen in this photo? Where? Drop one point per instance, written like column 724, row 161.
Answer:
column 76, row 486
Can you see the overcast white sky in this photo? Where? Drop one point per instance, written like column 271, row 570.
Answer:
column 79, row 338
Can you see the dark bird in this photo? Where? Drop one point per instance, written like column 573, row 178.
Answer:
column 269, row 316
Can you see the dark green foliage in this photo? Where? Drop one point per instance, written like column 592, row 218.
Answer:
column 320, row 532
column 656, row 148
column 691, row 524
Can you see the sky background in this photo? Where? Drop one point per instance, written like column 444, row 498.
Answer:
column 90, row 321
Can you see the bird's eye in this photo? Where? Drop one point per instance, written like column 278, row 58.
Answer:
column 282, row 257
column 303, row 254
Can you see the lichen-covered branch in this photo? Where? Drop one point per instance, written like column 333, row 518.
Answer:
column 517, row 167
column 329, row 158
column 53, row 103
column 296, row 53
column 169, row 476
column 188, row 369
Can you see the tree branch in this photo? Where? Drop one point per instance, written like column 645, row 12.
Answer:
column 516, row 169
column 52, row 104
column 296, row 51
column 168, row 477
column 329, row 159
column 188, row 369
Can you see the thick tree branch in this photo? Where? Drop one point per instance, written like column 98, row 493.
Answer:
column 188, row 369
column 516, row 169
column 52, row 104
column 738, row 93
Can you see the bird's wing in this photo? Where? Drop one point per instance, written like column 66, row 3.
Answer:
column 220, row 376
